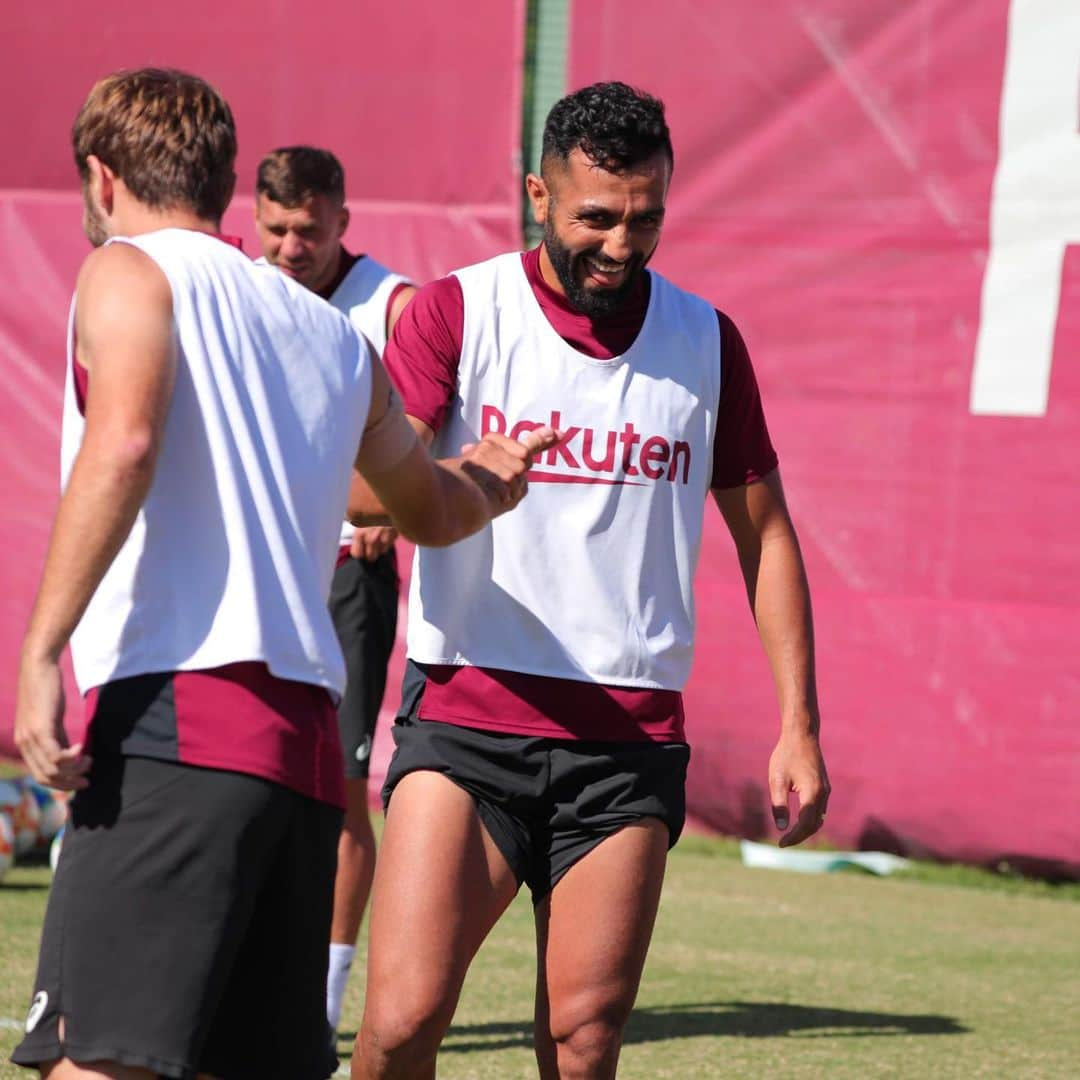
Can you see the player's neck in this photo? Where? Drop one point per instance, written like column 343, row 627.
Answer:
column 136, row 218
column 332, row 279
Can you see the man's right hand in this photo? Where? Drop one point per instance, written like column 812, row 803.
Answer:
column 500, row 465
column 39, row 728
column 372, row 541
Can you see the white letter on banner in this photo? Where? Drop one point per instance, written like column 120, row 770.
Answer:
column 1035, row 210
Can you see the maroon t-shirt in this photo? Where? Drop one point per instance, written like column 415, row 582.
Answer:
column 422, row 358
column 239, row 717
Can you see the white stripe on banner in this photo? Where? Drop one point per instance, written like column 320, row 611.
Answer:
column 1034, row 212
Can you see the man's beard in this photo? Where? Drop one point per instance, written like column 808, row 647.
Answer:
column 596, row 303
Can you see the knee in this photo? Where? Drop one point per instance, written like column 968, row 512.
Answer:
column 403, row 1038
column 588, row 1038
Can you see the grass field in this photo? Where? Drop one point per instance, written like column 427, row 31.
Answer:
column 758, row 973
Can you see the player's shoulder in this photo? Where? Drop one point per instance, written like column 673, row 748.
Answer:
column 439, row 297
column 664, row 285
column 685, row 305
column 489, row 269
column 122, row 264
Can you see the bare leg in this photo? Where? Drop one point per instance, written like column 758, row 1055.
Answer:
column 65, row 1069
column 592, row 935
column 440, row 886
column 355, row 867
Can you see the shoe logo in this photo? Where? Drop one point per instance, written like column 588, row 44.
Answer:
column 37, row 1010
column 363, row 751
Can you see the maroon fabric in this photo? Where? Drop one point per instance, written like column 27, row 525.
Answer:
column 82, row 383
column 243, row 718
column 512, row 701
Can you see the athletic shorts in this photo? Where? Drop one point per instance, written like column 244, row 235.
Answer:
column 186, row 927
column 364, row 607
column 547, row 802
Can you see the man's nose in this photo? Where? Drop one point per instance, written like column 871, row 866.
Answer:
column 291, row 247
column 617, row 245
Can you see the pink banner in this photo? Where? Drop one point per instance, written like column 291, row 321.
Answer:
column 425, row 124
column 836, row 164
column 883, row 197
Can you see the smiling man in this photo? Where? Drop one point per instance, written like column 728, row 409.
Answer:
column 542, row 738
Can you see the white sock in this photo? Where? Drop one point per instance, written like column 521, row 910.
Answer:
column 341, row 958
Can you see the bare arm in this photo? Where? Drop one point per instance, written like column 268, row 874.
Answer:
column 772, row 567
column 435, row 503
column 398, row 305
column 365, row 507
column 370, row 541
column 125, row 339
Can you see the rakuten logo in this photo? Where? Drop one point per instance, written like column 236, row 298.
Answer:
column 591, row 453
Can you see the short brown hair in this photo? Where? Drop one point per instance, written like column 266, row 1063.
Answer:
column 168, row 135
column 291, row 175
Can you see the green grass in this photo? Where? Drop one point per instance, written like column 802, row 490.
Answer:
column 757, row 973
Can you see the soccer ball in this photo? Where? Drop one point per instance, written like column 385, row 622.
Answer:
column 21, row 805
column 7, row 844
column 52, row 809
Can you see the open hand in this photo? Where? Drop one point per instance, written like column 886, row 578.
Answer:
column 39, row 728
column 796, row 765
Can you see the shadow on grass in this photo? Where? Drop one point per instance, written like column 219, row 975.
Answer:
column 739, row 1019
column 24, row 886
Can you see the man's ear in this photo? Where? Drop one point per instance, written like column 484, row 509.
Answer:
column 343, row 221
column 101, row 182
column 539, row 197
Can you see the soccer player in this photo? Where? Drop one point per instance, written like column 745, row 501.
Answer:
column 213, row 410
column 541, row 739
column 300, row 217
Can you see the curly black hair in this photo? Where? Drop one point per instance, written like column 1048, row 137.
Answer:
column 615, row 125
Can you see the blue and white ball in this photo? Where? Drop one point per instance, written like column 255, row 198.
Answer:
column 20, row 804
column 7, row 843
column 52, row 809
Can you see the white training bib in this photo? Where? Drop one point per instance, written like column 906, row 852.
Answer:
column 363, row 297
column 231, row 554
column 590, row 578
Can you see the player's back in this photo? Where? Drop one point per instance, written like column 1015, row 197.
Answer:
column 231, row 556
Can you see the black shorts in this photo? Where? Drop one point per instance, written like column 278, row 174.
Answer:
column 186, row 927
column 547, row 802
column 364, row 607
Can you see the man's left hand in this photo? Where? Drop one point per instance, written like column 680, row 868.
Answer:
column 797, row 766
